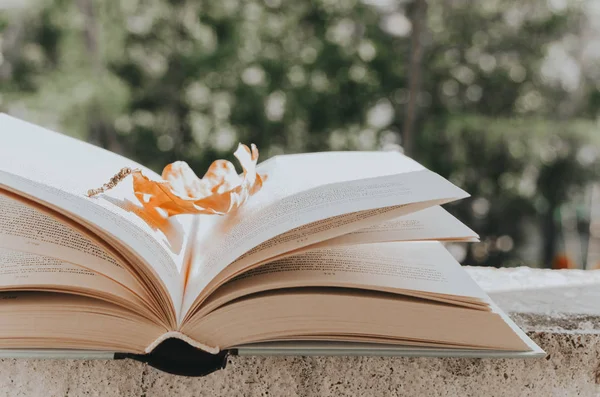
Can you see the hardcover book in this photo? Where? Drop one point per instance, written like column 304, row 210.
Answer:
column 338, row 253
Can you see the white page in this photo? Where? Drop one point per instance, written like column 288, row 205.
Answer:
column 433, row 223
column 312, row 234
column 425, row 267
column 58, row 171
column 23, row 270
column 301, row 189
column 25, row 228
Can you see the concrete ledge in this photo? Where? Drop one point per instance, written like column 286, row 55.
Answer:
column 560, row 310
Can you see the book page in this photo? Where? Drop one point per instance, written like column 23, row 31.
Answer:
column 316, row 234
column 27, row 229
column 55, row 322
column 26, row 271
column 433, row 223
column 57, row 171
column 424, row 267
column 302, row 189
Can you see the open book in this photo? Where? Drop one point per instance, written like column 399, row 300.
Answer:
column 338, row 253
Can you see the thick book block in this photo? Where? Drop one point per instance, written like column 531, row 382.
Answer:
column 337, row 253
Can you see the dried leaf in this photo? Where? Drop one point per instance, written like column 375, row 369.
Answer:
column 220, row 191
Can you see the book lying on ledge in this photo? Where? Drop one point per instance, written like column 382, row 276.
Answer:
column 338, row 253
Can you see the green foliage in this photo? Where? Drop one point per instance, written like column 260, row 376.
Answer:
column 518, row 171
column 186, row 80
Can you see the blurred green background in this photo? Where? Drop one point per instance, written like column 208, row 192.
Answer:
column 501, row 97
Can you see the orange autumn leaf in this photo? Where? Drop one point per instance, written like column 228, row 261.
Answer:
column 219, row 192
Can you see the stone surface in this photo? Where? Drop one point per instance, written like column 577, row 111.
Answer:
column 560, row 310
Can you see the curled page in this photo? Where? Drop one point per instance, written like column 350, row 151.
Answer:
column 433, row 223
column 308, row 188
column 57, row 170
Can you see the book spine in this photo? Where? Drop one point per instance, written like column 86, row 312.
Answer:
column 185, row 338
column 177, row 356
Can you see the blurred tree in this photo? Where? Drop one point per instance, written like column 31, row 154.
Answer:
column 519, row 172
column 497, row 95
column 418, row 21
